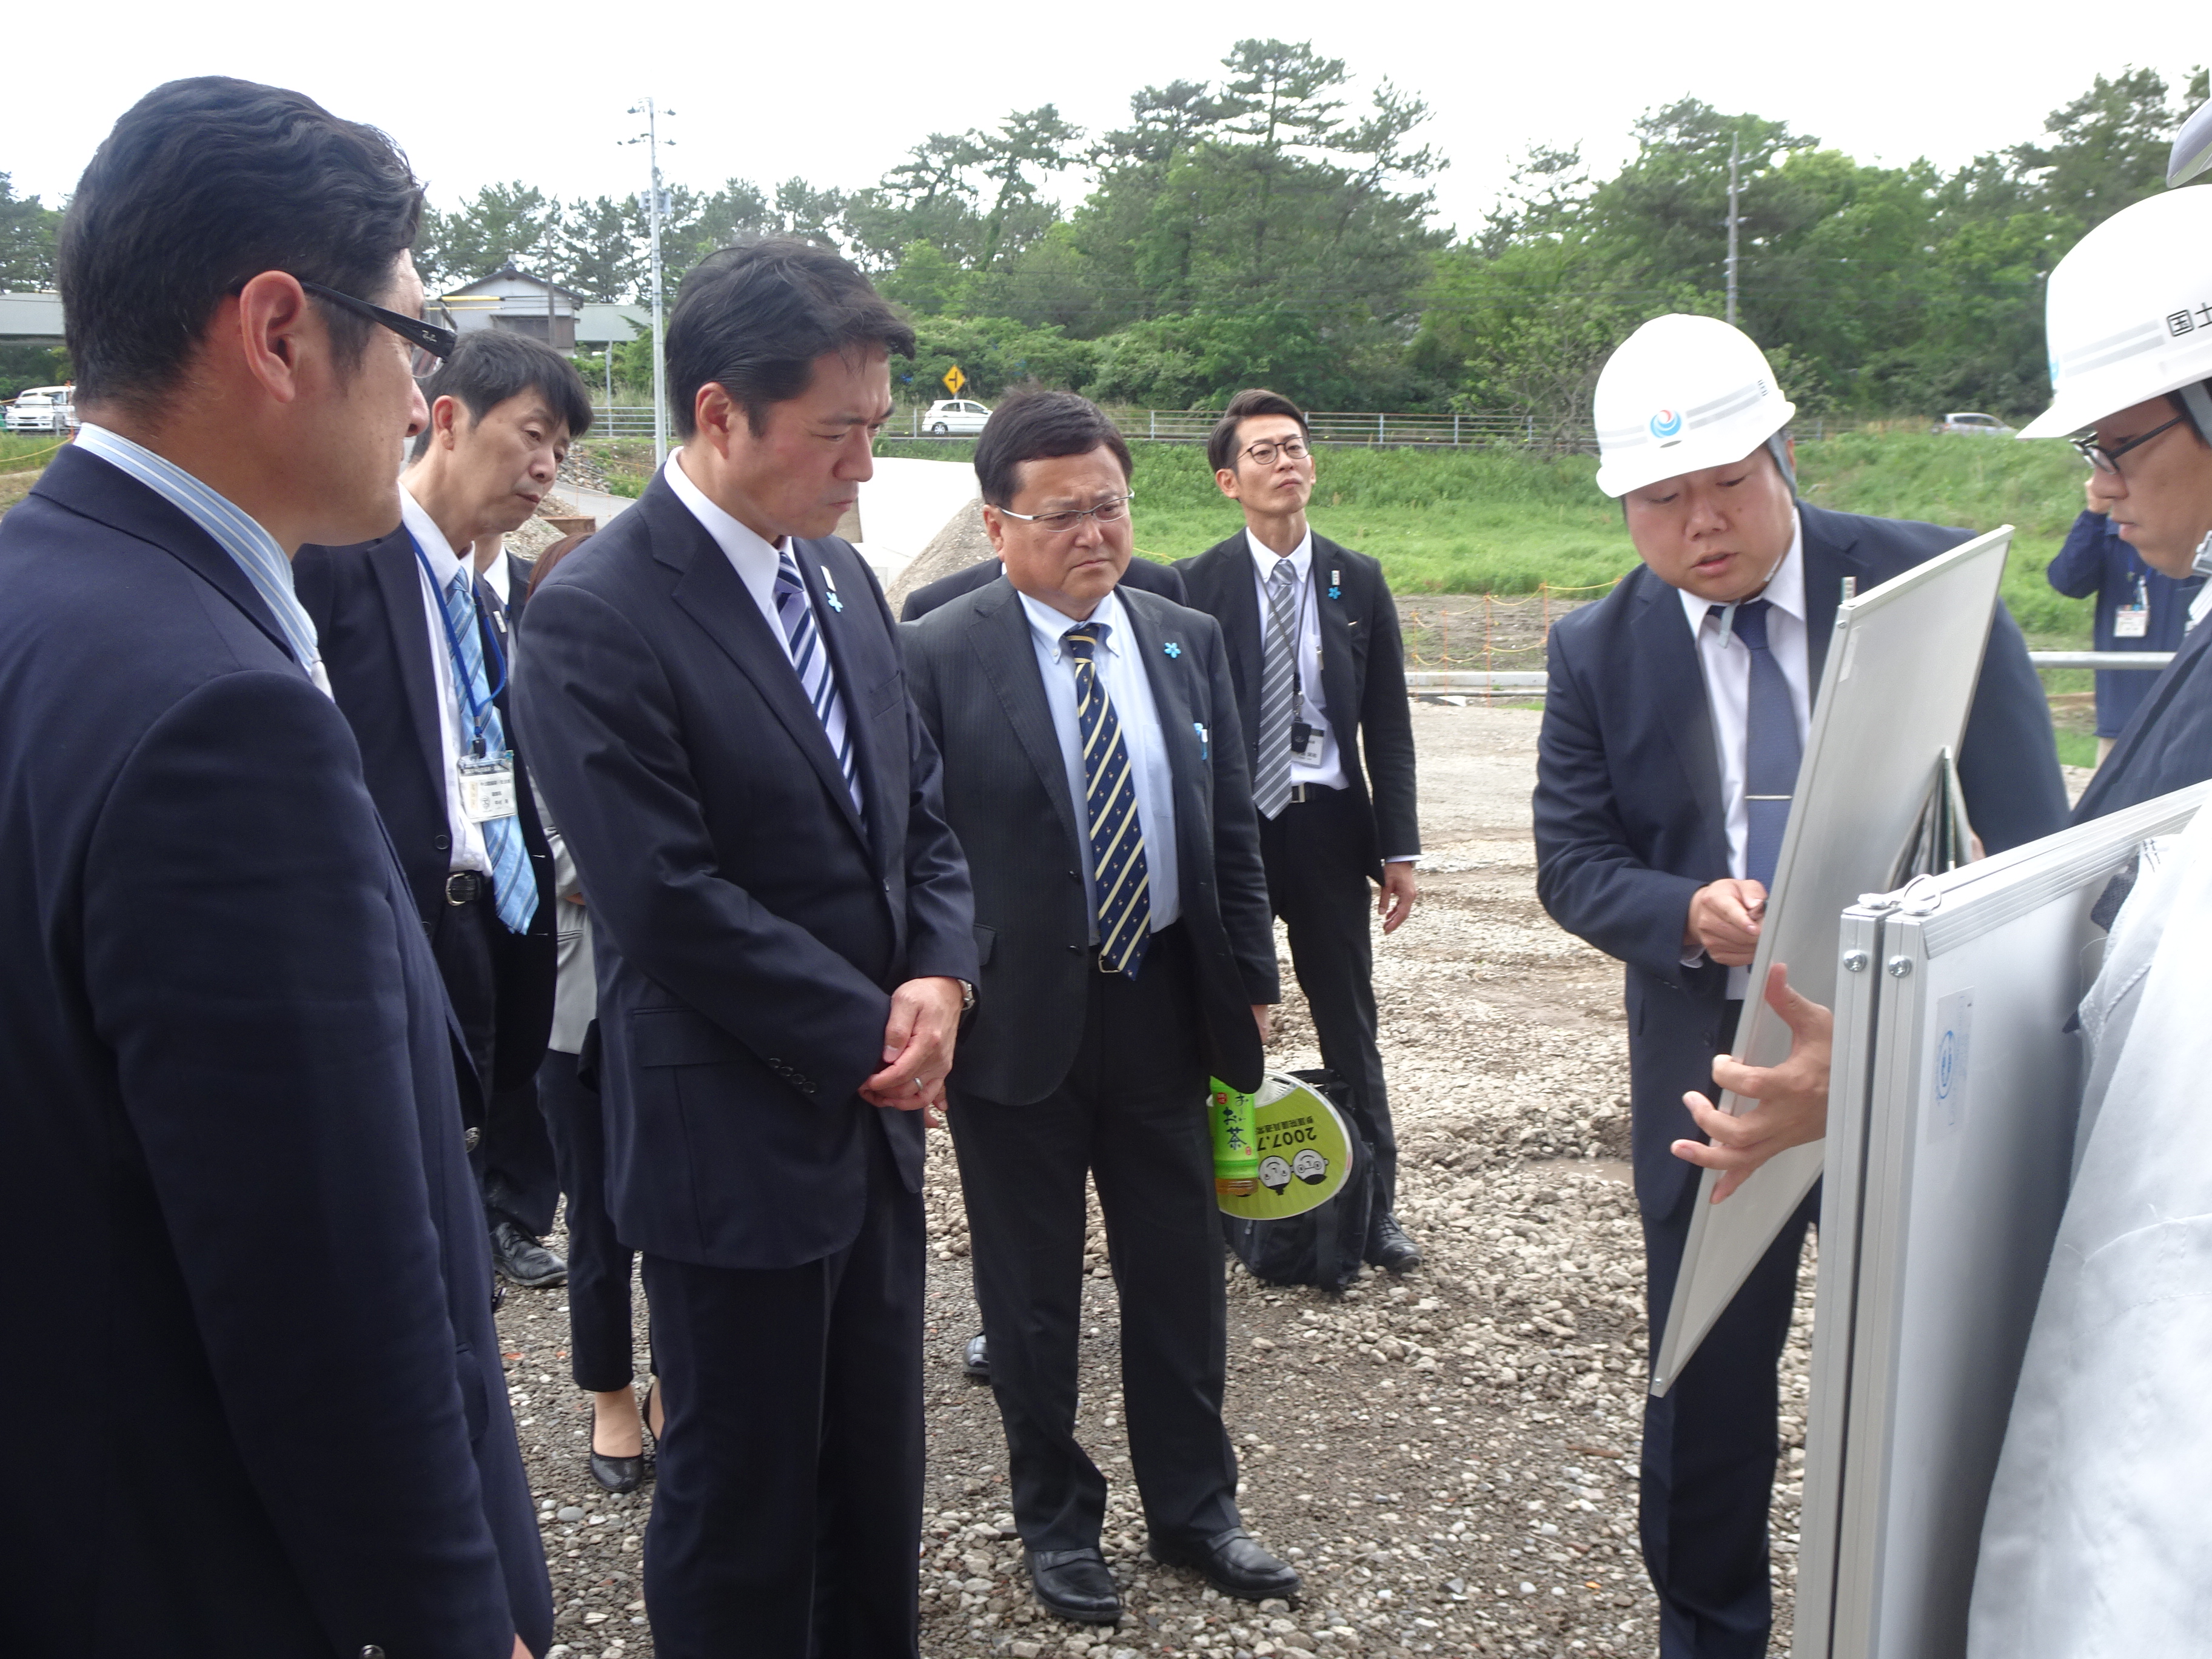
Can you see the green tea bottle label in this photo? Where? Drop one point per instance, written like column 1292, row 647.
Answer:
column 1235, row 1157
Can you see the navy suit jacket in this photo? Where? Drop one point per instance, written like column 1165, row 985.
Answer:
column 750, row 925
column 375, row 629
column 1628, row 811
column 2166, row 744
column 237, row 1198
column 976, row 682
column 1363, row 674
column 1142, row 574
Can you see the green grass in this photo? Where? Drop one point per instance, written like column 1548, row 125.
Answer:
column 26, row 450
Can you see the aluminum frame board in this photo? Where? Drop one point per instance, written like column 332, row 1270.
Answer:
column 1899, row 679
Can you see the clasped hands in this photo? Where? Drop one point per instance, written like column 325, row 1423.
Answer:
column 918, row 1039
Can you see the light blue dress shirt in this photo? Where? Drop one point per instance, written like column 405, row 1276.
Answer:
column 1129, row 689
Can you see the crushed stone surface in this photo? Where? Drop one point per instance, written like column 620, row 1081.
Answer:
column 1448, row 1459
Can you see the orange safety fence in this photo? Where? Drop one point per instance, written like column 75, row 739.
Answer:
column 1504, row 642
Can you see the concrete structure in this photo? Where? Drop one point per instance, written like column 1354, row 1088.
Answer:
column 36, row 316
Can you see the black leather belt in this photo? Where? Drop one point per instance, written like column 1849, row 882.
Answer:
column 1305, row 792
column 465, row 886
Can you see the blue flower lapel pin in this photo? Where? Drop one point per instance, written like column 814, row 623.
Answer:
column 1336, row 584
column 829, row 582
column 1172, row 649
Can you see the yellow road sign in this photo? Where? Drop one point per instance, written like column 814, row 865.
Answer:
column 954, row 380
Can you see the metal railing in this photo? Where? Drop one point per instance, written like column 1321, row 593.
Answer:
column 621, row 420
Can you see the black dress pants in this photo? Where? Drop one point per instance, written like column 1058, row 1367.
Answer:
column 599, row 1343
column 1316, row 852
column 788, row 1514
column 1131, row 1112
column 512, row 1155
column 1709, row 1447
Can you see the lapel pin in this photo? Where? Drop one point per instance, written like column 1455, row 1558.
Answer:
column 829, row 582
column 1172, row 649
column 1336, row 584
column 1199, row 726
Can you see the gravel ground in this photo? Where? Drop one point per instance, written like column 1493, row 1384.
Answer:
column 1449, row 1459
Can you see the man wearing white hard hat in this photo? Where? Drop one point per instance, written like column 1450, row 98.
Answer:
column 2129, row 320
column 1673, row 723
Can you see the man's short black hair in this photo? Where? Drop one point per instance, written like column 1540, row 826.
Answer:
column 752, row 320
column 203, row 186
column 1221, row 442
column 1036, row 425
column 491, row 365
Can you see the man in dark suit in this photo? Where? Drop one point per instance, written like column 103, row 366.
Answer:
column 1126, row 955
column 237, row 1195
column 418, row 653
column 1321, row 682
column 1674, row 721
column 1142, row 574
column 712, row 697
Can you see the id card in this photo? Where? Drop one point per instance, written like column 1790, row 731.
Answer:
column 1306, row 744
column 486, row 787
column 2131, row 621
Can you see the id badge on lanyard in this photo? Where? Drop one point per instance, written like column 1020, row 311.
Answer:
column 486, row 787
column 2132, row 622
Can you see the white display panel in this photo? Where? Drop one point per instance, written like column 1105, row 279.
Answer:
column 1899, row 679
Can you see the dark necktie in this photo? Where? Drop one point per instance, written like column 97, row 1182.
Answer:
column 1771, row 748
column 1119, row 876
column 812, row 662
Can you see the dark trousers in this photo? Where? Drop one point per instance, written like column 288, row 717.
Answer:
column 1316, row 852
column 512, row 1155
column 1131, row 1113
column 788, row 1507
column 599, row 1346
column 1709, row 1449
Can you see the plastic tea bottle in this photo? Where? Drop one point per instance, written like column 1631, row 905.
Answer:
column 1235, row 1156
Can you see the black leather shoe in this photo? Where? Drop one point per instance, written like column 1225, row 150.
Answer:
column 1388, row 1248
column 523, row 1260
column 618, row 1473
column 1232, row 1562
column 1074, row 1584
column 976, row 1359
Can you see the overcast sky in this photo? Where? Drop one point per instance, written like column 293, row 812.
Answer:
column 478, row 92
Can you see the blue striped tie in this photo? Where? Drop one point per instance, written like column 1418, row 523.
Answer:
column 1118, row 875
column 1771, row 748
column 812, row 662
column 514, row 887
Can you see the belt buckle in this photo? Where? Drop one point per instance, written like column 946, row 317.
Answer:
column 461, row 887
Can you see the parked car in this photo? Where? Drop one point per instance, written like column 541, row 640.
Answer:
column 951, row 417
column 41, row 409
column 1968, row 422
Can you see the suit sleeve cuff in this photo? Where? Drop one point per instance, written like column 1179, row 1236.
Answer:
column 1402, row 858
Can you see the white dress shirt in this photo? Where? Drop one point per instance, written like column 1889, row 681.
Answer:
column 755, row 560
column 495, row 575
column 1128, row 687
column 456, row 729
column 1726, row 661
column 1328, row 769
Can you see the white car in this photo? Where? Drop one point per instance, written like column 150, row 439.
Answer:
column 1968, row 424
column 41, row 409
column 954, row 417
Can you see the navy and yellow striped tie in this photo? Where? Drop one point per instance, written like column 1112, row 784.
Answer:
column 1119, row 878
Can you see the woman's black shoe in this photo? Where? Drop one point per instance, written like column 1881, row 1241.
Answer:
column 618, row 1473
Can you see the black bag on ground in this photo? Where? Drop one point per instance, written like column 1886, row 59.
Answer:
column 1327, row 1244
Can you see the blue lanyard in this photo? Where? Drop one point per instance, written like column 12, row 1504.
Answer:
column 479, row 714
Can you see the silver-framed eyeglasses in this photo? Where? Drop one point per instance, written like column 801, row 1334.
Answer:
column 1111, row 511
column 1267, row 449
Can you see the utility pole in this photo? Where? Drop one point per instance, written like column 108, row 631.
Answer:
column 1736, row 154
column 655, row 205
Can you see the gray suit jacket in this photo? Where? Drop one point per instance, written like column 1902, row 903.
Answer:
column 974, row 676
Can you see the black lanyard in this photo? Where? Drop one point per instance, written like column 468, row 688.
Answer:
column 480, row 714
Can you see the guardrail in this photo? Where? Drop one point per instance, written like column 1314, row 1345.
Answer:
column 1523, row 680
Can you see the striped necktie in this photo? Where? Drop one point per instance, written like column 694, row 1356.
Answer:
column 812, row 662
column 1118, row 875
column 1271, row 765
column 1771, row 748
column 514, row 889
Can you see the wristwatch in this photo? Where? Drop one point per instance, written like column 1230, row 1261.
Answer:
column 967, row 996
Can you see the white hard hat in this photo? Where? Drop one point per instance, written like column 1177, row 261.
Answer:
column 2128, row 315
column 1682, row 394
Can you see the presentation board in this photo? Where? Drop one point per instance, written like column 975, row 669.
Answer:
column 1893, row 699
column 1951, row 1120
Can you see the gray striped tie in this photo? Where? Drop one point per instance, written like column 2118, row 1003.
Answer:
column 1271, row 766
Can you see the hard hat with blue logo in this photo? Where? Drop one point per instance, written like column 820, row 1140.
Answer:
column 1680, row 394
column 2128, row 315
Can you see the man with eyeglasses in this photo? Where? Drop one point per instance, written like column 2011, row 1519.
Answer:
column 237, row 1198
column 418, row 653
column 1094, row 777
column 1320, row 672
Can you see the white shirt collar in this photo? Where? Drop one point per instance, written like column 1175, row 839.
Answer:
column 1265, row 558
column 445, row 563
column 495, row 574
column 734, row 539
column 1784, row 589
column 1050, row 626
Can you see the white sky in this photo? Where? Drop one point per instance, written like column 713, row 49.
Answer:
column 477, row 92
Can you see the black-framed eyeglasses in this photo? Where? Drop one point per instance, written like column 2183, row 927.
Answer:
column 2108, row 460
column 428, row 339
column 1062, row 524
column 1267, row 449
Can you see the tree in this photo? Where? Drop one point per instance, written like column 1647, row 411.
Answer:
column 28, row 229
column 510, row 224
column 598, row 255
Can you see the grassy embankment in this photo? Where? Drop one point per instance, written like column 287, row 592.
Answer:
column 24, row 456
